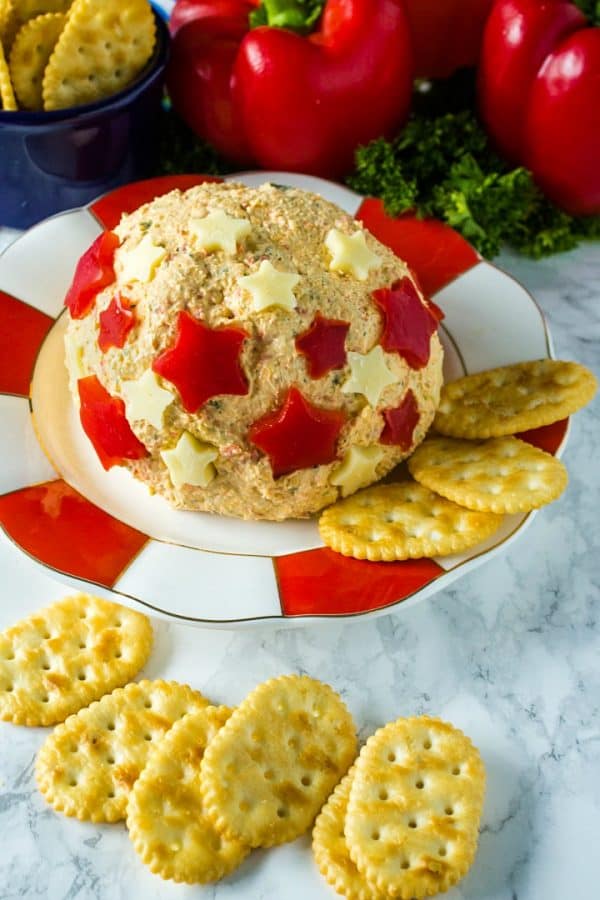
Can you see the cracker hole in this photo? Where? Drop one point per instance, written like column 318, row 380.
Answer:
column 147, row 737
column 82, row 645
column 110, row 760
column 442, row 851
column 45, row 698
column 375, row 835
column 73, row 748
column 391, row 757
column 81, row 676
column 46, row 667
column 111, row 795
column 268, row 775
column 9, row 688
column 111, row 726
column 306, row 780
column 456, row 770
column 427, row 744
column 72, row 782
column 45, row 635
column 118, row 623
column 118, row 654
column 420, row 784
column 405, row 864
column 148, row 704
column 244, row 807
column 383, row 795
column 449, row 811
column 412, row 823
column 282, row 813
column 10, row 656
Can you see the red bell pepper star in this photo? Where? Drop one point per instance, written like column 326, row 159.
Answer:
column 323, row 345
column 103, row 420
column 116, row 321
column 203, row 362
column 298, row 435
column 408, row 323
column 94, row 271
column 400, row 423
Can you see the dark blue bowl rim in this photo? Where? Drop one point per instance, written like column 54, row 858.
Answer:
column 158, row 60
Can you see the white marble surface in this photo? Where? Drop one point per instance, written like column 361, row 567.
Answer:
column 511, row 654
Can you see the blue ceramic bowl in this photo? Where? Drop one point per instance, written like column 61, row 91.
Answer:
column 50, row 161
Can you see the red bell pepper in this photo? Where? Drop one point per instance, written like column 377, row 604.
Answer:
column 446, row 34
column 539, row 96
column 94, row 271
column 298, row 435
column 323, row 345
column 407, row 322
column 115, row 323
column 203, row 362
column 271, row 97
column 400, row 422
column 103, row 420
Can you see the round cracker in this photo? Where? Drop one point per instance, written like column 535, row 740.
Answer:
column 29, row 56
column 500, row 475
column 514, row 398
column 167, row 825
column 87, row 767
column 102, row 48
column 269, row 770
column 414, row 807
column 68, row 654
column 402, row 521
column 7, row 94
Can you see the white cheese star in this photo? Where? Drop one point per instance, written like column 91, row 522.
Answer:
column 219, row 231
column 190, row 461
column 270, row 287
column 350, row 254
column 145, row 399
column 370, row 374
column 141, row 263
column 357, row 468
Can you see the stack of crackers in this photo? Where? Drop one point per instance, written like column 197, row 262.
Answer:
column 62, row 53
column 472, row 472
column 200, row 786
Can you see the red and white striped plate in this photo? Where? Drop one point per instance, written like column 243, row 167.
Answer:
column 102, row 530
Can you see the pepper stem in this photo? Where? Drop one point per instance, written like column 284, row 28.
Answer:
column 295, row 15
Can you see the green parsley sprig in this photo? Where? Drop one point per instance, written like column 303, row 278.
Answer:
column 443, row 165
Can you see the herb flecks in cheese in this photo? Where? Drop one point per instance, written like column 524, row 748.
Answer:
column 145, row 400
column 269, row 287
column 190, row 461
column 141, row 263
column 219, row 231
column 357, row 469
column 370, row 375
column 350, row 254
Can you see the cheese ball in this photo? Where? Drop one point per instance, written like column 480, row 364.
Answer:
column 252, row 352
